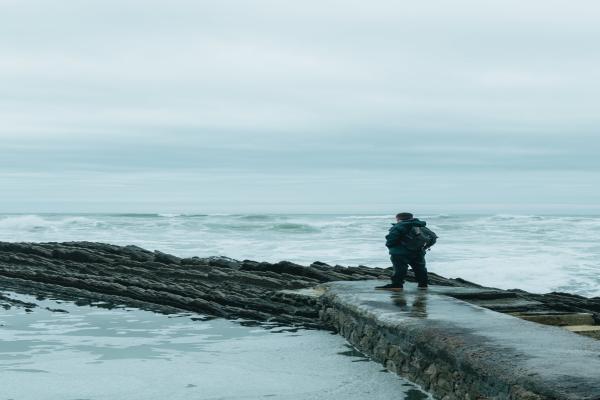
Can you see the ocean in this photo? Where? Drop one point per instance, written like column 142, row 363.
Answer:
column 537, row 253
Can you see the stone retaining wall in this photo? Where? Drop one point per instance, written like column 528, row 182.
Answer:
column 423, row 357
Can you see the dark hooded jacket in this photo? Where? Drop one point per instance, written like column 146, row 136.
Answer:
column 397, row 231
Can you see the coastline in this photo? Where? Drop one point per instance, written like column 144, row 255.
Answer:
column 265, row 294
column 535, row 253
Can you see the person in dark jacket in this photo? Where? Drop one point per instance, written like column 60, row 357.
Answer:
column 401, row 256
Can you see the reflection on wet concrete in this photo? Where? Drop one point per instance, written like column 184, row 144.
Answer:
column 417, row 301
column 552, row 360
column 61, row 351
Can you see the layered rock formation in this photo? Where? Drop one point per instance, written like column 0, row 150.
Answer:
column 218, row 286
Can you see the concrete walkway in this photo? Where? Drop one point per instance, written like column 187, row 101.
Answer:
column 484, row 353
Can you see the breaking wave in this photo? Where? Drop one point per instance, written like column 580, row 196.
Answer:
column 33, row 223
column 530, row 252
column 296, row 228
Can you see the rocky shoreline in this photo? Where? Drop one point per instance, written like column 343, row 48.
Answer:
column 253, row 291
column 129, row 275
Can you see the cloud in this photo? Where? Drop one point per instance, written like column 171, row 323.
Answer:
column 270, row 87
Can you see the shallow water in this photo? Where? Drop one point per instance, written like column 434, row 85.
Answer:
column 531, row 252
column 89, row 352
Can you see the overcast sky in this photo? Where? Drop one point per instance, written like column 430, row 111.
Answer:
column 299, row 106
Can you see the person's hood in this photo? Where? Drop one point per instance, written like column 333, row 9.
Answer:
column 412, row 222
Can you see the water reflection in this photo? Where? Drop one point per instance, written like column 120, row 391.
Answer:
column 61, row 351
column 417, row 301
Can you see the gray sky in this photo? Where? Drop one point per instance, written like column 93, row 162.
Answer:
column 304, row 106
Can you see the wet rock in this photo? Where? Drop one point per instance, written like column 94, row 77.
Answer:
column 166, row 258
column 224, row 262
column 57, row 310
column 7, row 302
column 88, row 272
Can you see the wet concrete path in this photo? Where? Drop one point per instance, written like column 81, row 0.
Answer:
column 546, row 360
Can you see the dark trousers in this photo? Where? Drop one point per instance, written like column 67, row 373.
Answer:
column 401, row 263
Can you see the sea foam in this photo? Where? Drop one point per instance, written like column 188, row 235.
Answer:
column 530, row 252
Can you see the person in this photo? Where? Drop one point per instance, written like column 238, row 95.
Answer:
column 403, row 252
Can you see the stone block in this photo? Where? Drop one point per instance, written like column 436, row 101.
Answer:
column 558, row 319
column 391, row 366
column 592, row 331
column 431, row 371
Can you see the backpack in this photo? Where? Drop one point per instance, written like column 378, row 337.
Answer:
column 419, row 238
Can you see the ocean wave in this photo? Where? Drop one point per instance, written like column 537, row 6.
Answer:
column 520, row 217
column 531, row 252
column 392, row 216
column 257, row 217
column 33, row 222
column 295, row 228
column 136, row 215
column 438, row 216
column 367, row 217
column 553, row 221
column 184, row 216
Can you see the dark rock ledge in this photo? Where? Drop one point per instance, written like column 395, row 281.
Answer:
column 216, row 286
